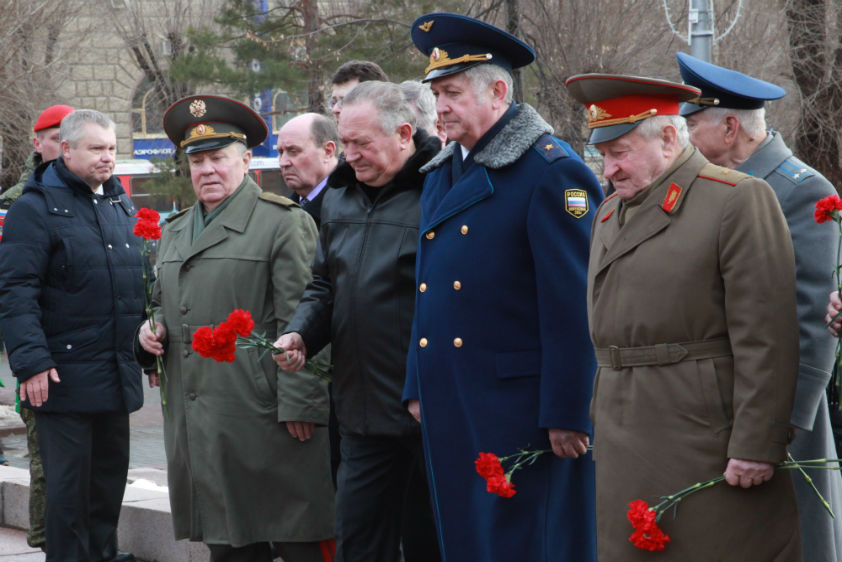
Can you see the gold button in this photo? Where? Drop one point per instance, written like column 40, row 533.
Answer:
column 430, row 235
column 457, row 285
column 464, row 229
column 423, row 342
column 422, row 287
column 457, row 342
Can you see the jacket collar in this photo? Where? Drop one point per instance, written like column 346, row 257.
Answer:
column 768, row 156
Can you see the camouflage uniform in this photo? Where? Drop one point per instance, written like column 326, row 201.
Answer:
column 36, row 537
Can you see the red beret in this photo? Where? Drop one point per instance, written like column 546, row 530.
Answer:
column 51, row 117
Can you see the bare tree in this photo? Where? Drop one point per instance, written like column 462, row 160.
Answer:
column 816, row 56
column 31, row 72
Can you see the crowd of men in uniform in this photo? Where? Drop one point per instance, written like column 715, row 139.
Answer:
column 472, row 289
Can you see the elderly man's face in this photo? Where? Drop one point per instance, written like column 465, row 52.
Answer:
column 47, row 144
column 375, row 156
column 303, row 164
column 464, row 117
column 93, row 156
column 632, row 162
column 707, row 133
column 218, row 173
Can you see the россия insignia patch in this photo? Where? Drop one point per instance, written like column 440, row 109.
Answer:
column 576, row 202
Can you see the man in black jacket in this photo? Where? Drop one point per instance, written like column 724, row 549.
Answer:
column 71, row 297
column 361, row 300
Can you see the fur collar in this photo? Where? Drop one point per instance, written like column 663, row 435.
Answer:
column 512, row 142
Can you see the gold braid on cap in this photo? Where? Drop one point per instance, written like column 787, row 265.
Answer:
column 202, row 132
column 628, row 119
column 704, row 101
column 439, row 58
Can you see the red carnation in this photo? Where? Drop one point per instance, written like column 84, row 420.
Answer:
column 652, row 539
column 499, row 485
column 145, row 214
column 148, row 224
column 241, row 322
column 488, row 465
column 826, row 208
column 203, row 341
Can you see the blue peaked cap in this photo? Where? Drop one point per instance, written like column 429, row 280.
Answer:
column 723, row 87
column 455, row 43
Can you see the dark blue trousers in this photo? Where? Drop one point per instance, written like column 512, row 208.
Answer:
column 86, row 461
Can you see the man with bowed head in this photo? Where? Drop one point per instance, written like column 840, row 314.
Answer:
column 691, row 303
column 360, row 300
column 247, row 453
column 500, row 357
column 728, row 124
column 71, row 297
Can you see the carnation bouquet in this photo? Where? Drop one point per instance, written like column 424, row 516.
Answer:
column 148, row 227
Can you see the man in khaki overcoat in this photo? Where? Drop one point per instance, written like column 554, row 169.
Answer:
column 247, row 450
column 691, row 304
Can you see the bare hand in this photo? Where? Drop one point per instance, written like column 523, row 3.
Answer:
column 296, row 352
column 300, row 430
column 834, row 306
column 154, row 379
column 152, row 343
column 414, row 407
column 37, row 387
column 747, row 473
column 568, row 444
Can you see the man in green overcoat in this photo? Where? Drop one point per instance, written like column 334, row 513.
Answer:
column 247, row 450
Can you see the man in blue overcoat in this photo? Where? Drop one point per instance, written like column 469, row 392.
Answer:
column 500, row 358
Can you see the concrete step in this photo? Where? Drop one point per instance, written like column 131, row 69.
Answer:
column 145, row 520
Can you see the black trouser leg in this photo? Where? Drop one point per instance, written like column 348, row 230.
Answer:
column 109, row 468
column 256, row 552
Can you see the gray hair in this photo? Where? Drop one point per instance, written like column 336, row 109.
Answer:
column 323, row 130
column 753, row 121
column 388, row 101
column 73, row 125
column 420, row 97
column 652, row 127
column 484, row 75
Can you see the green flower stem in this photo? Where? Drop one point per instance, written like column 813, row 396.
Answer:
column 259, row 341
column 147, row 297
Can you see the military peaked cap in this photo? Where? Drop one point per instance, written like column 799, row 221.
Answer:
column 455, row 43
column 722, row 87
column 200, row 123
column 616, row 104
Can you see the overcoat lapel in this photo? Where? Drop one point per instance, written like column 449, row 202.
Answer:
column 473, row 186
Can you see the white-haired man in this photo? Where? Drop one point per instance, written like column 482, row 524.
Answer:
column 691, row 303
column 728, row 125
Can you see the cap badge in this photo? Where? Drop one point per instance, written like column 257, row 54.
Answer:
column 200, row 130
column 576, row 202
column 439, row 58
column 198, row 108
column 425, row 27
column 596, row 113
column 436, row 55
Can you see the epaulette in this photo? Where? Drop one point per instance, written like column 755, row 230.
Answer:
column 795, row 170
column 278, row 199
column 549, row 147
column 174, row 216
column 722, row 175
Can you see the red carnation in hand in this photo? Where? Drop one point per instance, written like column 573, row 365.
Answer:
column 147, row 225
column 827, row 208
column 499, row 485
column 488, row 465
column 241, row 322
column 647, row 535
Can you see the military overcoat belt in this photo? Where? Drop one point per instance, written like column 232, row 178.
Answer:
column 662, row 353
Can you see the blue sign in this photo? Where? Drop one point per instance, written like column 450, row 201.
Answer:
column 146, row 149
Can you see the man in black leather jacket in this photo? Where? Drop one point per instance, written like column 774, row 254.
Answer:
column 361, row 300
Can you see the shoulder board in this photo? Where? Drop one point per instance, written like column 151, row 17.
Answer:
column 612, row 196
column 550, row 148
column 174, row 216
column 278, row 199
column 795, row 170
column 722, row 175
